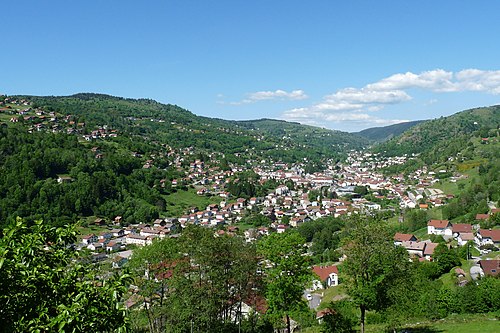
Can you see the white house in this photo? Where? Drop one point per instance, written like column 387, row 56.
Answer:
column 485, row 237
column 89, row 239
column 138, row 239
column 329, row 275
column 439, row 227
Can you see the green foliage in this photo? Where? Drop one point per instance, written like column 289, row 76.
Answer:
column 286, row 273
column 43, row 288
column 340, row 319
column 473, row 199
column 446, row 258
column 257, row 220
column 381, row 134
column 325, row 235
column 414, row 219
column 440, row 138
column 180, row 128
column 374, row 265
column 114, row 185
column 197, row 280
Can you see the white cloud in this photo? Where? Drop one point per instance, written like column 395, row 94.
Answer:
column 355, row 104
column 442, row 81
column 436, row 80
column 278, row 94
column 367, row 96
column 307, row 116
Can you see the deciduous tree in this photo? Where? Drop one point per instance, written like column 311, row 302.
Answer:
column 286, row 273
column 373, row 264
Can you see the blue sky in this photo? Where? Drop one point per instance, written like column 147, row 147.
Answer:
column 345, row 65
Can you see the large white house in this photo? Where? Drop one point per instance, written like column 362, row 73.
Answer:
column 439, row 227
column 138, row 239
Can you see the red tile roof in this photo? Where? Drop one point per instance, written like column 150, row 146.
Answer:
column 429, row 249
column 467, row 236
column 462, row 227
column 324, row 271
column 404, row 237
column 440, row 224
column 490, row 267
column 493, row 234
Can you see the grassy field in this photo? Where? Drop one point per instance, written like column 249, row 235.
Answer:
column 90, row 228
column 180, row 202
column 331, row 293
column 421, row 234
column 449, row 187
column 474, row 323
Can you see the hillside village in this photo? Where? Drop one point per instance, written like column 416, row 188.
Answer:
column 296, row 198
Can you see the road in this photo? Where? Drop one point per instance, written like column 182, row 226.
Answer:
column 314, row 301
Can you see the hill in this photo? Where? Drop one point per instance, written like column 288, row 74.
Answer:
column 178, row 127
column 438, row 139
column 381, row 134
column 305, row 134
column 88, row 155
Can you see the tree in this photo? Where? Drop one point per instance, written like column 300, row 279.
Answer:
column 152, row 266
column 286, row 273
column 45, row 287
column 198, row 281
column 446, row 258
column 373, row 264
column 339, row 318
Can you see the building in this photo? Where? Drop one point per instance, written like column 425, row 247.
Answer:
column 328, row 275
column 439, row 227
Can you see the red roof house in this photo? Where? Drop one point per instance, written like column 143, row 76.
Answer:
column 327, row 274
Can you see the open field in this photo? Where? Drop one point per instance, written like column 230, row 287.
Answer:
column 178, row 203
column 471, row 323
column 474, row 323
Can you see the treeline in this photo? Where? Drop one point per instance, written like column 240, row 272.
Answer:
column 206, row 283
column 31, row 165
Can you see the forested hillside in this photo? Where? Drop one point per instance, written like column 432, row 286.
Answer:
column 439, row 138
column 58, row 179
column 381, row 134
column 178, row 127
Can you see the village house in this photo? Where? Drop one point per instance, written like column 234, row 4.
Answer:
column 459, row 228
column 138, row 240
column 113, row 246
column 100, row 245
column 482, row 217
column 439, row 227
column 414, row 248
column 485, row 237
column 89, row 239
column 490, row 267
column 429, row 250
column 399, row 238
column 328, row 276
column 464, row 237
column 119, row 262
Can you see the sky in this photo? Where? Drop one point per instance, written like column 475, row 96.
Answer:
column 343, row 65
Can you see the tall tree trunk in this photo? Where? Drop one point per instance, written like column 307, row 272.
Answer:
column 363, row 310
column 287, row 323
